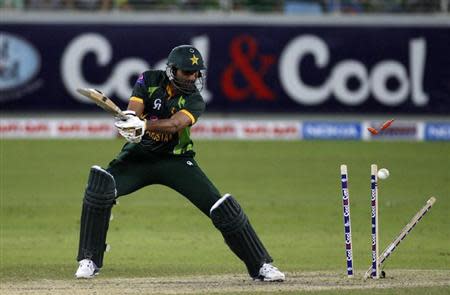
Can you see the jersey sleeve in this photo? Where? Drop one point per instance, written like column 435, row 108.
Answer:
column 194, row 107
column 139, row 92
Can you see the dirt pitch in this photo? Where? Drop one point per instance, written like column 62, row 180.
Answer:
column 298, row 281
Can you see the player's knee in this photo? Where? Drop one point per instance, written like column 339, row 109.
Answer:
column 101, row 188
column 227, row 216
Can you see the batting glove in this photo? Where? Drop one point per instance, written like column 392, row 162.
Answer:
column 132, row 129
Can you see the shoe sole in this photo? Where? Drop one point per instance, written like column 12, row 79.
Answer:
column 269, row 280
column 277, row 280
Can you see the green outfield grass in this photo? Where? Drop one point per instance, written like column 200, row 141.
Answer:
column 289, row 190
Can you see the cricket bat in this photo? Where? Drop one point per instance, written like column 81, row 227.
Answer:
column 102, row 101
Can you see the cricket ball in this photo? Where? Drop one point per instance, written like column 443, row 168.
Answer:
column 383, row 173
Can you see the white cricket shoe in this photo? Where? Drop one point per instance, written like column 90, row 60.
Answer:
column 270, row 273
column 86, row 269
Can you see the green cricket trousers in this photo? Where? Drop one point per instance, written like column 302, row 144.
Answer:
column 136, row 167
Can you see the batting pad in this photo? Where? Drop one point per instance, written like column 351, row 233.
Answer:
column 228, row 217
column 97, row 203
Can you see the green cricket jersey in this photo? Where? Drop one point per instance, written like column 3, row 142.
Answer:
column 152, row 89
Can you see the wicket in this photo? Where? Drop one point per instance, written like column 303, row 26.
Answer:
column 374, row 218
column 374, row 270
column 347, row 222
column 405, row 231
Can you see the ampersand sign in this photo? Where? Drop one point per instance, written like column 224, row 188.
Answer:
column 243, row 52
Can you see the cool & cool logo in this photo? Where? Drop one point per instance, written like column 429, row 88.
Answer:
column 371, row 81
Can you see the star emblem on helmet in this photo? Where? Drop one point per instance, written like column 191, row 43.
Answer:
column 194, row 60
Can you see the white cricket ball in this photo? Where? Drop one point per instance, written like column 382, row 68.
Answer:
column 383, row 173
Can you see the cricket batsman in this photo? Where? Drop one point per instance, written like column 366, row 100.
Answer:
column 162, row 108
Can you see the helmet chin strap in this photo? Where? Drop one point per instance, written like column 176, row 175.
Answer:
column 187, row 87
column 169, row 73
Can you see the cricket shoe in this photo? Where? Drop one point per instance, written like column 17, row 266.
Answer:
column 87, row 269
column 270, row 273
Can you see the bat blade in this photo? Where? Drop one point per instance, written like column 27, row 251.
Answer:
column 102, row 101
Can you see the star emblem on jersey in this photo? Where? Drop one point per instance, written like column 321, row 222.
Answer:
column 194, row 60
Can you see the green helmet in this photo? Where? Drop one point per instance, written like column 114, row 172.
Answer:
column 186, row 58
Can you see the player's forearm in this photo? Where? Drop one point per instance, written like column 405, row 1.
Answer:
column 164, row 126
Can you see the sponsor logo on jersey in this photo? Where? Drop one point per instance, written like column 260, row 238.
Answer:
column 157, row 104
